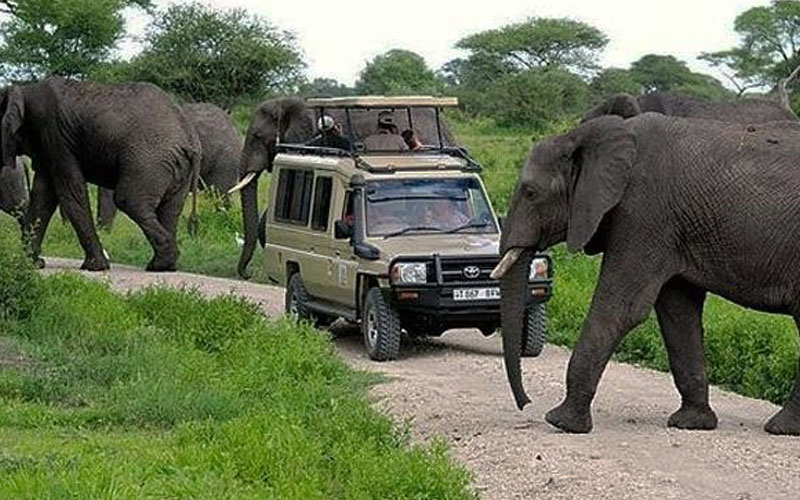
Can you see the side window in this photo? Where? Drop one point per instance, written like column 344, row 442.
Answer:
column 322, row 204
column 293, row 200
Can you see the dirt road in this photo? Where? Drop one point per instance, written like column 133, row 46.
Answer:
column 455, row 387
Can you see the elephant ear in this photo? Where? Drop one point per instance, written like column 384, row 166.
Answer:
column 13, row 114
column 603, row 155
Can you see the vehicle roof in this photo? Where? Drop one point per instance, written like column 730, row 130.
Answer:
column 381, row 165
column 379, row 101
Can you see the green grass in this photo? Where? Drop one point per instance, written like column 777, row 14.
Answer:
column 165, row 394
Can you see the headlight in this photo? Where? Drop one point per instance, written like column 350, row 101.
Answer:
column 410, row 272
column 538, row 269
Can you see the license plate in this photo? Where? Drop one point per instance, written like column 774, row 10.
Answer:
column 476, row 293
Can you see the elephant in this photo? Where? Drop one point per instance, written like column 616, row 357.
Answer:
column 291, row 121
column 130, row 137
column 14, row 191
column 221, row 144
column 678, row 207
column 741, row 111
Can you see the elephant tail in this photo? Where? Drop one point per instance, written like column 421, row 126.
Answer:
column 194, row 160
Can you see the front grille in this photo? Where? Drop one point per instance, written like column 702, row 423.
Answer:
column 456, row 270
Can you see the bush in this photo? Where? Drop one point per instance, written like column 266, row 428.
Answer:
column 20, row 285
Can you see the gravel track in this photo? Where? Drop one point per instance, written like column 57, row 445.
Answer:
column 455, row 387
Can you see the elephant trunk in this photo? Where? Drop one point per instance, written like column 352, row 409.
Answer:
column 513, row 305
column 249, row 195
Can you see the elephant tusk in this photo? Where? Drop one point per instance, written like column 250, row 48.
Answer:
column 505, row 264
column 242, row 183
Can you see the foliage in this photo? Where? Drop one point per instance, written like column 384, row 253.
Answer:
column 64, row 37
column 165, row 393
column 660, row 73
column 612, row 81
column 325, row 87
column 208, row 55
column 538, row 97
column 768, row 45
column 19, row 284
column 398, row 72
column 541, row 43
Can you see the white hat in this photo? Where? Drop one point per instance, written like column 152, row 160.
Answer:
column 325, row 122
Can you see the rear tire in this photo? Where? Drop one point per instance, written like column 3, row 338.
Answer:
column 297, row 298
column 380, row 327
column 535, row 335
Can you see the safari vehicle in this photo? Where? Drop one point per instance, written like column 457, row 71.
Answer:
column 400, row 242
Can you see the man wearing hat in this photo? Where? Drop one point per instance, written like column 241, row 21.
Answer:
column 386, row 137
column 330, row 134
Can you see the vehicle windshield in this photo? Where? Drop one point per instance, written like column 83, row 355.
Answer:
column 419, row 206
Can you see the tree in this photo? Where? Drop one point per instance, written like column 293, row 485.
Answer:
column 538, row 98
column 769, row 39
column 659, row 73
column 64, row 37
column 398, row 72
column 612, row 81
column 217, row 56
column 325, row 87
column 541, row 43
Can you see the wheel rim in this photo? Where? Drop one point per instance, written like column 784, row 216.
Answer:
column 372, row 328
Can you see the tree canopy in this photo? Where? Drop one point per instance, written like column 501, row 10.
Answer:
column 217, row 56
column 398, row 72
column 769, row 39
column 666, row 73
column 63, row 37
column 541, row 43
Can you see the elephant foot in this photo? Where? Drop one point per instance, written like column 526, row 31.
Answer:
column 161, row 266
column 95, row 264
column 785, row 422
column 693, row 418
column 569, row 420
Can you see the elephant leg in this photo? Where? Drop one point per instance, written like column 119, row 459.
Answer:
column 787, row 420
column 106, row 209
column 624, row 295
column 41, row 207
column 679, row 309
column 141, row 208
column 73, row 198
column 169, row 211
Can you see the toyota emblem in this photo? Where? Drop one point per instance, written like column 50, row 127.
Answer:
column 472, row 272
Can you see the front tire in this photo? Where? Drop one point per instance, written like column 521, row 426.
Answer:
column 380, row 327
column 535, row 334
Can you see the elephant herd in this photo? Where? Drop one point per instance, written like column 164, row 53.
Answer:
column 681, row 196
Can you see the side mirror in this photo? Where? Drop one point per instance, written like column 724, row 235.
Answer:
column 342, row 230
column 501, row 220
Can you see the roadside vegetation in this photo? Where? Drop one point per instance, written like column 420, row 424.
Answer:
column 163, row 393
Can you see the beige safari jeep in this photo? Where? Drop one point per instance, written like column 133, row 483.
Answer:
column 400, row 242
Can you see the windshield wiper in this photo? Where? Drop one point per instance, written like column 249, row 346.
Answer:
column 412, row 228
column 468, row 225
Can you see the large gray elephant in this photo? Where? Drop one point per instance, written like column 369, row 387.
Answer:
column 14, row 191
column 219, row 168
column 297, row 125
column 678, row 207
column 745, row 110
column 130, row 137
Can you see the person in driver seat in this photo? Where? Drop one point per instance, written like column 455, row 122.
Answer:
column 386, row 137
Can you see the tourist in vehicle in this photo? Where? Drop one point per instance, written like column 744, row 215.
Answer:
column 386, row 137
column 330, row 134
column 411, row 139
